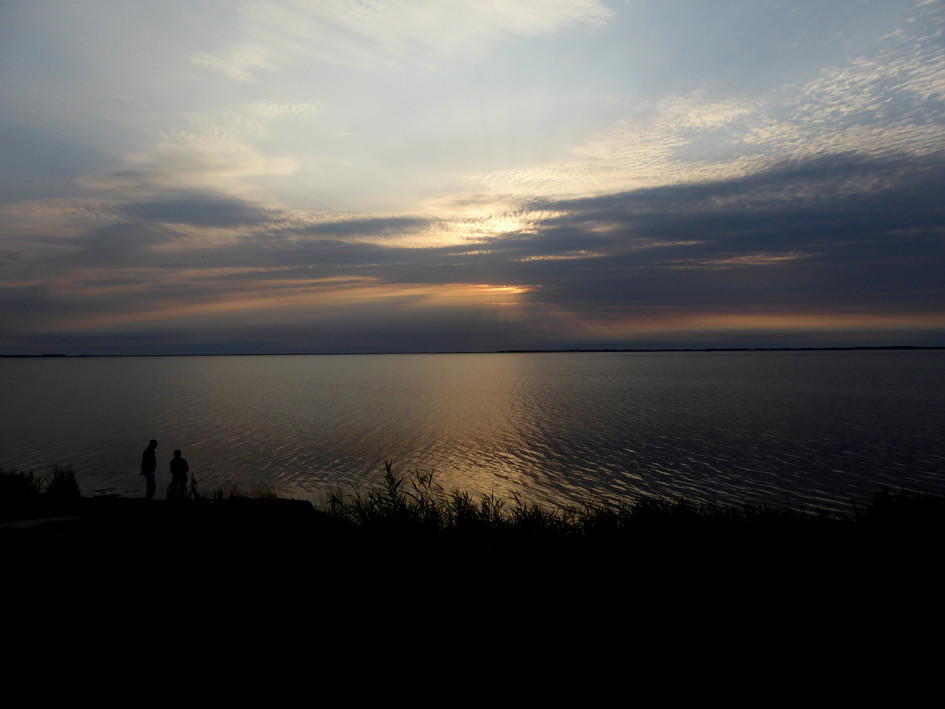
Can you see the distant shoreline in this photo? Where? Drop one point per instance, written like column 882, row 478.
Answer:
column 854, row 348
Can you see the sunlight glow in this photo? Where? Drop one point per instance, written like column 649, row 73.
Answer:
column 286, row 300
column 668, row 322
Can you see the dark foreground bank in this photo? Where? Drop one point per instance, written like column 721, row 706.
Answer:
column 408, row 567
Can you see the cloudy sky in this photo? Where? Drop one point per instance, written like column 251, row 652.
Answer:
column 208, row 177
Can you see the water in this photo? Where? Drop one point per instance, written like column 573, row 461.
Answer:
column 800, row 428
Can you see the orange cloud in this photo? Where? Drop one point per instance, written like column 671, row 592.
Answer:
column 275, row 300
column 669, row 321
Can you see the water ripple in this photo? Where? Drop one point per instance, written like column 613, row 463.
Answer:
column 815, row 428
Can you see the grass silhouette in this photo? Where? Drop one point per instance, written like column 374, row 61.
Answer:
column 407, row 565
column 417, row 503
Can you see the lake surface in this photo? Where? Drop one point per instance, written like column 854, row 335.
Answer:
column 816, row 428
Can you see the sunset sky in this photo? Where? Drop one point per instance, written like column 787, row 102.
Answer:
column 256, row 177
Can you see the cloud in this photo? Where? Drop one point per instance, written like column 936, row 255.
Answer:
column 202, row 210
column 887, row 103
column 366, row 228
column 218, row 165
column 273, row 109
column 561, row 172
column 383, row 35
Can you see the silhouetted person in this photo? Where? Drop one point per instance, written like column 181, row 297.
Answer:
column 179, row 470
column 148, row 466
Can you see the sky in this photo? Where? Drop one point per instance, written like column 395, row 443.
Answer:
column 277, row 177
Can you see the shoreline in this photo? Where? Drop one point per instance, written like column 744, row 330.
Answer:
column 270, row 568
column 390, row 508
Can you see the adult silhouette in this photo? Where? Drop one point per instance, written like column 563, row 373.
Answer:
column 179, row 470
column 148, row 466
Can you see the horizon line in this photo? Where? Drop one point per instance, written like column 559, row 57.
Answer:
column 577, row 350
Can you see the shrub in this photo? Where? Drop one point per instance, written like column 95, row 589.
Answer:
column 18, row 491
column 62, row 485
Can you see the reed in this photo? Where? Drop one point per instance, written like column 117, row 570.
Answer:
column 416, row 501
column 24, row 494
